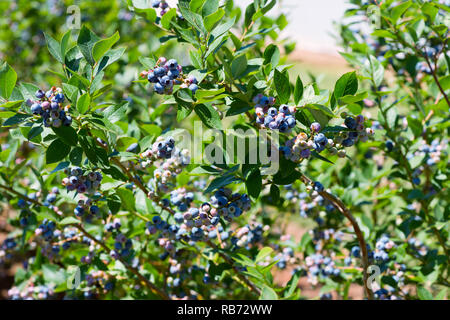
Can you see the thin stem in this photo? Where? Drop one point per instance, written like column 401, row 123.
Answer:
column 20, row 195
column 338, row 204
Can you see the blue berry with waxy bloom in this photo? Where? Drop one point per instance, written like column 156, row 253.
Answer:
column 50, row 109
column 82, row 181
column 166, row 74
column 356, row 252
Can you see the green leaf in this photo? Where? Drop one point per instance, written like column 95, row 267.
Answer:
column 113, row 203
column 94, row 153
column 17, row 118
column 275, row 194
column 346, row 85
column 167, row 18
column 254, row 183
column 195, row 5
column 34, row 132
column 8, row 78
column 75, row 156
column 211, row 20
column 11, row 104
column 352, row 99
column 391, row 117
column 148, row 63
column 238, row 66
column 272, row 55
column 110, row 57
column 373, row 69
column 116, row 112
column 128, row 200
column 194, row 19
column 83, row 103
column 298, row 90
column 424, row 294
column 53, row 274
column 70, row 91
column 264, row 252
column 196, row 58
column 292, row 284
column 210, row 7
column 415, row 125
column 64, row 44
column 282, row 86
column 397, row 11
column 69, row 220
column 67, row 134
column 222, row 28
column 267, row 293
column 101, row 47
column 430, row 10
column 86, row 42
column 318, row 156
column 238, row 107
column 208, row 115
column 54, row 48
column 56, row 151
column 219, row 182
column 284, row 180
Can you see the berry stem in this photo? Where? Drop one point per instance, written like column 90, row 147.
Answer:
column 24, row 197
column 338, row 204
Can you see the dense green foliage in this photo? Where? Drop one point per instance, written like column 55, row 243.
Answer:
column 102, row 201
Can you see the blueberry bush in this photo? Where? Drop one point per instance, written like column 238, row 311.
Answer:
column 103, row 199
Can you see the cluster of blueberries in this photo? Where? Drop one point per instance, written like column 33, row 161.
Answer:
column 418, row 246
column 383, row 245
column 98, row 280
column 90, row 256
column 249, row 235
column 86, row 209
column 164, row 6
column 163, row 148
column 267, row 116
column 321, row 237
column 301, row 146
column 198, row 224
column 433, row 152
column 168, row 170
column 380, row 254
column 285, row 257
column 122, row 247
column 181, row 199
column 229, row 205
column 31, row 292
column 48, row 232
column 82, row 181
column 6, row 248
column 319, row 265
column 168, row 73
column 114, row 225
column 50, row 108
column 51, row 197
